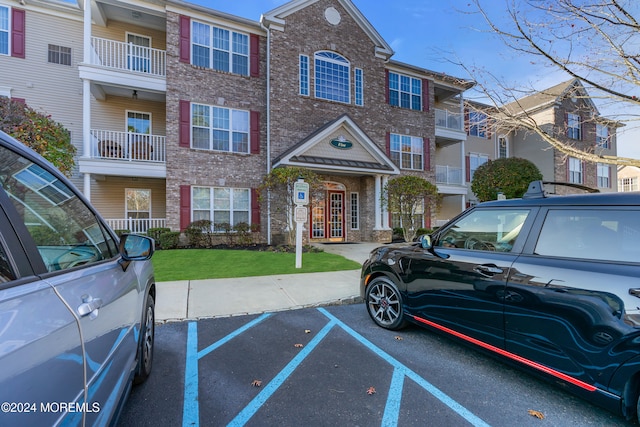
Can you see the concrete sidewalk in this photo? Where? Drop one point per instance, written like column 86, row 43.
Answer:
column 194, row 299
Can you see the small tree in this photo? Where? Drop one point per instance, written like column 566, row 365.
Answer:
column 407, row 196
column 39, row 132
column 511, row 176
column 278, row 187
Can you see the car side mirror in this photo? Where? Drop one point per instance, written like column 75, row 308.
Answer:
column 425, row 241
column 134, row 247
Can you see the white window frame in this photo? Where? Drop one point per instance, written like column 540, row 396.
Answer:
column 628, row 184
column 604, row 175
column 126, row 117
column 602, row 136
column 414, row 96
column 230, row 49
column 502, row 139
column 574, row 126
column 341, row 87
column 478, row 124
column 358, row 79
column 56, row 51
column 6, row 30
column 398, row 145
column 213, row 207
column 475, row 161
column 231, row 129
column 126, row 204
column 355, row 210
column 305, row 75
column 576, row 172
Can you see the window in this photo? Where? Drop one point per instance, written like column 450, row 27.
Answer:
column 628, row 184
column 332, row 77
column 407, row 151
column 574, row 233
column 219, row 129
column 405, row 91
column 485, row 230
column 355, row 211
column 4, row 30
column 304, row 75
column 604, row 176
column 222, row 206
column 575, row 170
column 602, row 136
column 59, row 55
column 573, row 126
column 502, row 148
column 475, row 161
column 219, row 49
column 138, row 205
column 359, row 86
column 477, row 124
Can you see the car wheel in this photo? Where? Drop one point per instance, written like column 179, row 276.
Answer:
column 384, row 304
column 145, row 352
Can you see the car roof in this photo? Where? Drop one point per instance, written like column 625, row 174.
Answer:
column 595, row 199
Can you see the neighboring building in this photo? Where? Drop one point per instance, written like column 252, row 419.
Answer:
column 628, row 178
column 180, row 110
column 567, row 112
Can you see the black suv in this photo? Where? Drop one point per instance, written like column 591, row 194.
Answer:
column 550, row 283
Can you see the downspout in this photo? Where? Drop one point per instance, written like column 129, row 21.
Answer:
column 268, row 127
column 86, row 97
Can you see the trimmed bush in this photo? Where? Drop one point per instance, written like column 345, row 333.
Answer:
column 169, row 239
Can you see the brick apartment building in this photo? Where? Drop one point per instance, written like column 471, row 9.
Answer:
column 178, row 110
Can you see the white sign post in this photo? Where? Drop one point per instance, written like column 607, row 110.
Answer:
column 301, row 199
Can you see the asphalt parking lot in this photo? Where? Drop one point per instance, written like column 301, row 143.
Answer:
column 333, row 366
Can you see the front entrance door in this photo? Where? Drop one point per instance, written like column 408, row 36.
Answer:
column 327, row 214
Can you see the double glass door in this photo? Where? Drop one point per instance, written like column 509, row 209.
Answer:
column 327, row 216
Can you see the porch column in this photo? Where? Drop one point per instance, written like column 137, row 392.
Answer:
column 377, row 203
column 385, row 211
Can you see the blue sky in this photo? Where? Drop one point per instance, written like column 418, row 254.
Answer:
column 437, row 34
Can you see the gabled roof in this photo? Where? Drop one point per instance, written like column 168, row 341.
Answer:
column 276, row 19
column 548, row 97
column 319, row 151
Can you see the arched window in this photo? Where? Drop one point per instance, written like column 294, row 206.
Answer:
column 332, row 73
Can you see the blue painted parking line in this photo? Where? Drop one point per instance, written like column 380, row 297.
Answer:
column 191, row 409
column 391, row 415
column 396, row 384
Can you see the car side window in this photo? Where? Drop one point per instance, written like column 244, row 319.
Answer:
column 65, row 230
column 603, row 234
column 485, row 230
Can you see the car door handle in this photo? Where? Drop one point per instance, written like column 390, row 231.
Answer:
column 635, row 292
column 489, row 270
column 90, row 306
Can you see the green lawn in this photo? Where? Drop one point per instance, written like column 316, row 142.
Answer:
column 195, row 264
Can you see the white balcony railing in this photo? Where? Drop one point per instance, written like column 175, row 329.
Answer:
column 128, row 56
column 136, row 225
column 449, row 120
column 448, row 175
column 129, row 146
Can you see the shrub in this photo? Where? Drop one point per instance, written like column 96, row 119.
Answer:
column 169, row 239
column 200, row 233
column 119, row 233
column 155, row 233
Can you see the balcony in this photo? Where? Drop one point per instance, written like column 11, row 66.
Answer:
column 449, row 127
column 129, row 146
column 448, row 120
column 125, row 154
column 140, row 225
column 130, row 57
column 448, row 175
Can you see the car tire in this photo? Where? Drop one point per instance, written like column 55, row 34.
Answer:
column 147, row 342
column 384, row 304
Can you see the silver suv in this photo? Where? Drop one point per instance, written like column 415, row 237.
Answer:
column 76, row 302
